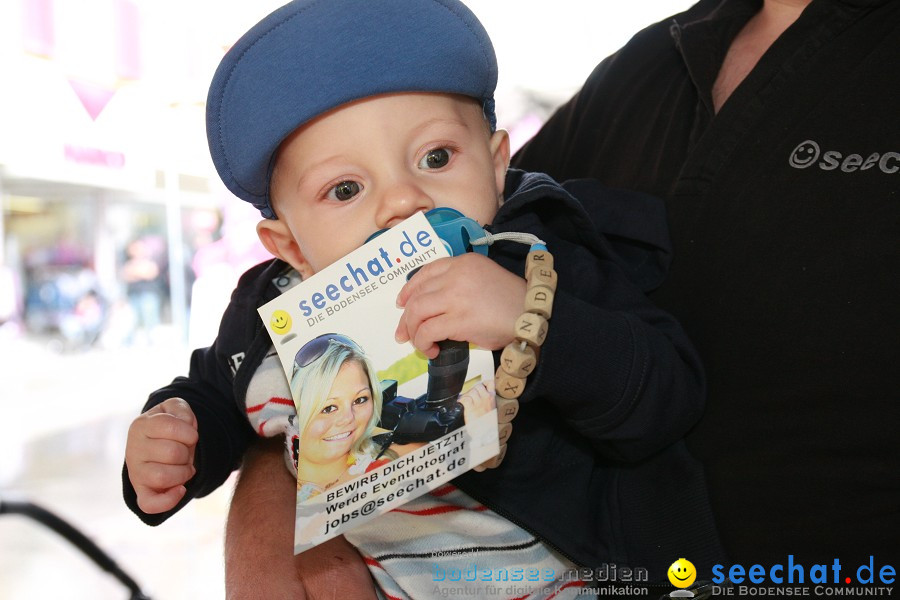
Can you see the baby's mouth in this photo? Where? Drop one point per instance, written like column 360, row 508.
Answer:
column 338, row 437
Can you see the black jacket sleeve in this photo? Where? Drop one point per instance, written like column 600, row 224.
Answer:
column 218, row 375
column 620, row 371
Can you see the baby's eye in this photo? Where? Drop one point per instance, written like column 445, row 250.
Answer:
column 344, row 191
column 436, row 159
column 329, row 409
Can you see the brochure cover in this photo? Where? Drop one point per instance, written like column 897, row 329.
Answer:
column 378, row 423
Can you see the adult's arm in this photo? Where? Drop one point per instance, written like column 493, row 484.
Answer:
column 259, row 540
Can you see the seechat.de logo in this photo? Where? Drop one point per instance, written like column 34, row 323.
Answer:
column 808, row 153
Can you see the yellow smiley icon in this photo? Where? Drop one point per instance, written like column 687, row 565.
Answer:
column 280, row 322
column 682, row 573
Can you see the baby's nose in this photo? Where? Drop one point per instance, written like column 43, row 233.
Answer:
column 401, row 201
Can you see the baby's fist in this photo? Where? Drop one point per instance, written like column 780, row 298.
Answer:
column 159, row 454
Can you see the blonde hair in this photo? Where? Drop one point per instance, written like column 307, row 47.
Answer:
column 311, row 384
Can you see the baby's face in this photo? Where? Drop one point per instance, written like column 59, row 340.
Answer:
column 368, row 165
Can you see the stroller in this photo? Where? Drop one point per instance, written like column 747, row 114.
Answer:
column 76, row 537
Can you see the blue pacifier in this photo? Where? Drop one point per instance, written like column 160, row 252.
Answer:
column 455, row 230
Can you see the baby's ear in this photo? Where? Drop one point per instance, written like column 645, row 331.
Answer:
column 278, row 239
column 500, row 154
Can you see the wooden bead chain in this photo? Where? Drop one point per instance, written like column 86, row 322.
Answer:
column 520, row 356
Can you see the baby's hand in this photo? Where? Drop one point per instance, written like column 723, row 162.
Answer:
column 159, row 454
column 467, row 298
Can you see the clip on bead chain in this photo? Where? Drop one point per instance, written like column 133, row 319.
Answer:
column 520, row 356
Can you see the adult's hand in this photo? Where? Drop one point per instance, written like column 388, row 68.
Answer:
column 259, row 540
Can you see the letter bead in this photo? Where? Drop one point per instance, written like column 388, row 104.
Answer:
column 503, row 432
column 508, row 386
column 544, row 277
column 537, row 259
column 507, row 409
column 531, row 328
column 539, row 300
column 517, row 361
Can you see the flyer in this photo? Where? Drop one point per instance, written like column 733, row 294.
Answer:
column 378, row 424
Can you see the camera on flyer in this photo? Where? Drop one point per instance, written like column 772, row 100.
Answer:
column 435, row 413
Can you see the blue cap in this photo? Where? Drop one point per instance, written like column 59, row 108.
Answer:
column 310, row 56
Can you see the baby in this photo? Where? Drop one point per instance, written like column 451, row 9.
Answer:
column 341, row 118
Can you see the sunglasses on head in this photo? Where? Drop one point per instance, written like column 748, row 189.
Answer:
column 316, row 347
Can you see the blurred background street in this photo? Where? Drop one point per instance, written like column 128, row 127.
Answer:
column 119, row 248
column 63, row 433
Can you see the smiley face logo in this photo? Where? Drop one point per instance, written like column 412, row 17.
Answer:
column 682, row 573
column 280, row 322
column 804, row 154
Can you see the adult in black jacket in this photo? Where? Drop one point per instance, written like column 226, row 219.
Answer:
column 772, row 131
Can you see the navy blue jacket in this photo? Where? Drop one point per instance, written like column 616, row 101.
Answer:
column 595, row 466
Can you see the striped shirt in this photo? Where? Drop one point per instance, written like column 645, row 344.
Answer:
column 446, row 544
